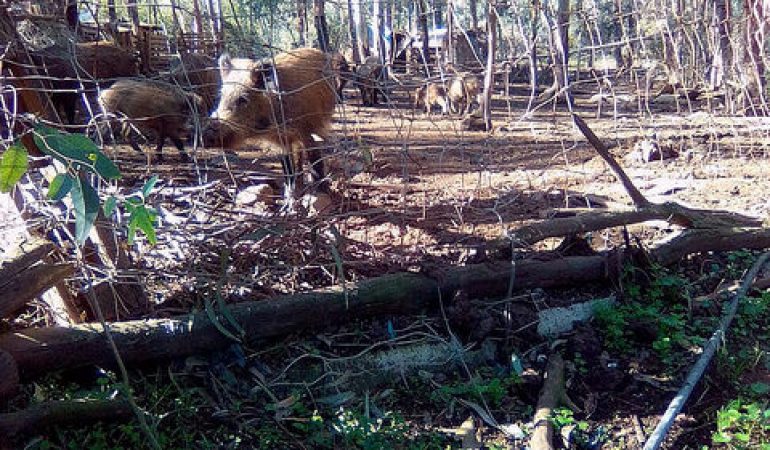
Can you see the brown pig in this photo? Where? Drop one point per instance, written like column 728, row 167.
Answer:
column 463, row 92
column 368, row 78
column 282, row 102
column 343, row 73
column 431, row 95
column 99, row 62
column 473, row 90
column 199, row 73
column 457, row 95
column 155, row 106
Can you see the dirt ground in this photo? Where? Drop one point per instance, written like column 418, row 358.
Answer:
column 414, row 191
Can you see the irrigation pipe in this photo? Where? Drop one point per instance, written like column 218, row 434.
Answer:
column 657, row 436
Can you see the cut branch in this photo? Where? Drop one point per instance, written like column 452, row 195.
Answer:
column 639, row 200
column 77, row 412
column 552, row 395
column 593, row 221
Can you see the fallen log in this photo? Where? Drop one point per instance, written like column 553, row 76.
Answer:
column 599, row 220
column 66, row 412
column 24, row 275
column 41, row 350
column 30, row 283
column 552, row 395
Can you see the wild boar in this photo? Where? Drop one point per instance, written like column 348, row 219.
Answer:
column 473, row 90
column 431, row 95
column 463, row 92
column 343, row 73
column 282, row 102
column 152, row 106
column 368, row 78
column 70, row 75
column 199, row 73
column 457, row 95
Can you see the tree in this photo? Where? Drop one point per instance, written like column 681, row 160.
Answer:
column 753, row 67
column 353, row 28
column 422, row 21
column 320, row 25
column 722, row 55
column 302, row 22
column 559, row 45
column 486, row 99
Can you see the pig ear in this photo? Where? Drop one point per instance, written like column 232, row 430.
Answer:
column 225, row 64
column 263, row 77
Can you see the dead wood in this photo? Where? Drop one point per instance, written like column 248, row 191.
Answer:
column 34, row 281
column 69, row 412
column 24, row 255
column 639, row 200
column 552, row 395
column 9, row 376
column 697, row 241
column 593, row 221
column 41, row 350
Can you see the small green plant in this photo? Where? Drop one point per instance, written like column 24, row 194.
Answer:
column 564, row 417
column 492, row 390
column 743, row 425
column 83, row 163
column 659, row 305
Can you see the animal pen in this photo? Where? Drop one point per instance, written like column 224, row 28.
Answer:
column 521, row 226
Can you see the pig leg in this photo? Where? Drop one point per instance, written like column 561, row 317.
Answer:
column 316, row 163
column 180, row 146
column 290, row 177
column 127, row 132
column 159, row 147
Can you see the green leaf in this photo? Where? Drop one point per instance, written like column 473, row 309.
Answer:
column 109, row 205
column 13, row 166
column 225, row 310
column 217, row 324
column 85, row 200
column 143, row 219
column 147, row 188
column 60, row 186
column 77, row 148
column 759, row 388
column 743, row 437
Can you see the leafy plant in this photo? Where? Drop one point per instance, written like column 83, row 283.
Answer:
column 743, row 425
column 492, row 390
column 80, row 158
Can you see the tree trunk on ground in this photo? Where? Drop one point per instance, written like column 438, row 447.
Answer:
column 66, row 412
column 355, row 39
column 322, row 30
column 552, row 395
column 302, row 22
column 41, row 350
